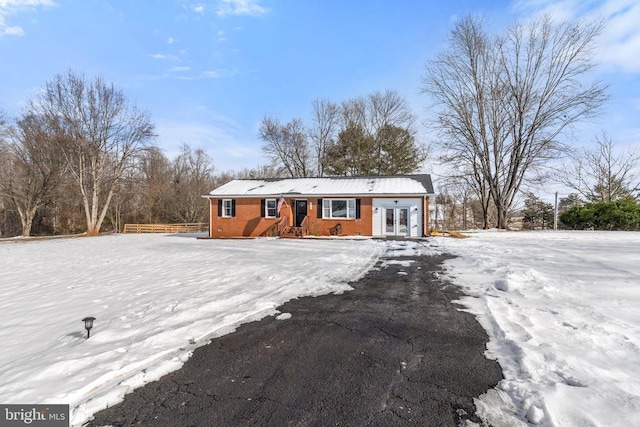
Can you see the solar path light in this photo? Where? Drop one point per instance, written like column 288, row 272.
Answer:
column 88, row 324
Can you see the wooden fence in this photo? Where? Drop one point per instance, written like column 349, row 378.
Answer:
column 192, row 227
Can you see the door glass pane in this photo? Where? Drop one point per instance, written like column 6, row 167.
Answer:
column 301, row 207
column 301, row 211
column 390, row 221
column 403, row 221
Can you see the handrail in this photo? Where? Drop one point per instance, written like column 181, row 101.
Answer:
column 276, row 228
column 282, row 224
column 305, row 225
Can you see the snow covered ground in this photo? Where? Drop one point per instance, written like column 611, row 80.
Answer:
column 563, row 313
column 561, row 309
column 155, row 299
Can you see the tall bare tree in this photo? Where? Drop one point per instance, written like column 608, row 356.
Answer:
column 287, row 146
column 601, row 174
column 388, row 108
column 354, row 112
column 323, row 131
column 32, row 168
column 155, row 177
column 192, row 177
column 3, row 126
column 4, row 165
column 260, row 171
column 103, row 136
column 466, row 170
column 502, row 102
column 461, row 194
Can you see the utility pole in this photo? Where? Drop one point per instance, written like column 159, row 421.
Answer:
column 555, row 214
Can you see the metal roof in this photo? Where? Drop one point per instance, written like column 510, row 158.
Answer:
column 397, row 185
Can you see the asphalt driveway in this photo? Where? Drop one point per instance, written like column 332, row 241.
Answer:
column 395, row 351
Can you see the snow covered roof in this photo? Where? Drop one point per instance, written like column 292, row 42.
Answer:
column 405, row 185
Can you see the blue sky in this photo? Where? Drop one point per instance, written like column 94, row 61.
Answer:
column 208, row 71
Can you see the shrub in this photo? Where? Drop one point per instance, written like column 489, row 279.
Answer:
column 623, row 214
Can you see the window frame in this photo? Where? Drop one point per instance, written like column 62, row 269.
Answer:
column 351, row 208
column 227, row 204
column 267, row 208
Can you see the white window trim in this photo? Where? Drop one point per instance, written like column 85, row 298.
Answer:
column 266, row 208
column 224, row 208
column 330, row 209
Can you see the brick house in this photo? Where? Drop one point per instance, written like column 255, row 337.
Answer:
column 295, row 207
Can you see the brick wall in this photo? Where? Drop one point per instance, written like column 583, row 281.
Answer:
column 249, row 222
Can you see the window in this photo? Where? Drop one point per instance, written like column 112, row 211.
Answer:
column 270, row 208
column 339, row 208
column 227, row 208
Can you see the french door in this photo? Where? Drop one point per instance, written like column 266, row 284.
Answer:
column 396, row 221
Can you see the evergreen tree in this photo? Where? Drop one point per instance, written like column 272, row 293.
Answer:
column 536, row 213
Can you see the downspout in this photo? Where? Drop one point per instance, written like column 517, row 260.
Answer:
column 210, row 218
column 425, row 216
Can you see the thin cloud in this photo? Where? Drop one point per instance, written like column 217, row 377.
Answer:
column 179, row 69
column 187, row 73
column 5, row 30
column 163, row 57
column 15, row 7
column 240, row 7
column 198, row 8
column 620, row 40
column 207, row 74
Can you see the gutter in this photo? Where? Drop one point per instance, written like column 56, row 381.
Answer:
column 328, row 195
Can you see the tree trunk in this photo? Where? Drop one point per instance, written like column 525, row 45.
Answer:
column 502, row 216
column 26, row 226
column 26, row 219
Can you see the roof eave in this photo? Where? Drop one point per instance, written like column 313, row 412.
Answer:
column 332, row 195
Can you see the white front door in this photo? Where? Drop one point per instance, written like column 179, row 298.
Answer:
column 396, row 221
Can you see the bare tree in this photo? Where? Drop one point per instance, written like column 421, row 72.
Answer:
column 462, row 194
column 372, row 135
column 391, row 124
column 465, row 170
column 3, row 126
column 259, row 172
column 192, row 177
column 601, row 174
column 354, row 112
column 324, row 130
column 388, row 108
column 155, row 178
column 103, row 136
column 502, row 102
column 287, row 145
column 32, row 167
column 4, row 165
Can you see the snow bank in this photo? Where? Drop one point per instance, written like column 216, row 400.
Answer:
column 561, row 309
column 155, row 298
